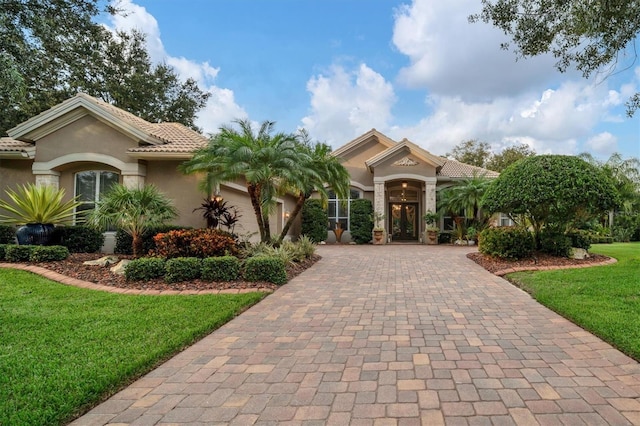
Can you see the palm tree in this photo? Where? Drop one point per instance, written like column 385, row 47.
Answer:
column 465, row 196
column 321, row 170
column 132, row 210
column 264, row 160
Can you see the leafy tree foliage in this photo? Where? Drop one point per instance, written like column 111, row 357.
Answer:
column 52, row 49
column 472, row 152
column 551, row 191
column 625, row 173
column 508, row 156
column 590, row 35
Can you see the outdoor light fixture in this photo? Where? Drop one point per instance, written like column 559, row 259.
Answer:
column 287, row 214
column 404, row 184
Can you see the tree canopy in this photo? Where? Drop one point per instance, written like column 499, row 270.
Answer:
column 588, row 35
column 52, row 49
column 551, row 191
column 479, row 154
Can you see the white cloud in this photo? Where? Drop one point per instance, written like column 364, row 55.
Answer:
column 450, row 56
column 221, row 107
column 345, row 104
column 603, row 144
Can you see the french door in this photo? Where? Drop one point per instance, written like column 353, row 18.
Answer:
column 403, row 221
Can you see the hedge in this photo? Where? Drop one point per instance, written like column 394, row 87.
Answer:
column 265, row 268
column 506, row 242
column 223, row 268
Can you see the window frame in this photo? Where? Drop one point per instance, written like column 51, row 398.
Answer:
column 333, row 220
column 96, row 189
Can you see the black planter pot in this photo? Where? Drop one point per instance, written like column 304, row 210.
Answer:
column 35, row 234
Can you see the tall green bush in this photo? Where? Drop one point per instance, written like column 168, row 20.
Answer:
column 360, row 220
column 506, row 243
column 314, row 220
column 265, row 268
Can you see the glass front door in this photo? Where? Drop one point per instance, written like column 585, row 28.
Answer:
column 404, row 221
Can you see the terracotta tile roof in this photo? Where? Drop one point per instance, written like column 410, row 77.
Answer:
column 180, row 139
column 455, row 169
column 11, row 145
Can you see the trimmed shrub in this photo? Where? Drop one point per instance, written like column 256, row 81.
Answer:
column 360, row 219
column 223, row 268
column 7, row 234
column 79, row 239
column 3, row 248
column 48, row 253
column 555, row 243
column 16, row 253
column 124, row 242
column 144, row 269
column 506, row 242
column 580, row 239
column 314, row 220
column 182, row 269
column 265, row 268
column 199, row 243
column 601, row 239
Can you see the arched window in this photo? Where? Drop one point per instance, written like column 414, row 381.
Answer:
column 338, row 209
column 90, row 185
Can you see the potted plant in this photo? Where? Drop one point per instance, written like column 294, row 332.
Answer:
column 378, row 229
column 432, row 230
column 472, row 235
column 38, row 208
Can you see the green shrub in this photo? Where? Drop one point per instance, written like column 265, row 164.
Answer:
column 580, row 239
column 314, row 220
column 144, row 269
column 265, row 268
column 626, row 226
column 555, row 243
column 16, row 253
column 223, row 268
column 182, row 269
column 306, row 246
column 360, row 220
column 3, row 248
column 124, row 242
column 7, row 234
column 79, row 239
column 48, row 253
column 506, row 242
column 199, row 243
column 601, row 239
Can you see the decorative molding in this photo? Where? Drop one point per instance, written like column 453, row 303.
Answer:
column 406, row 161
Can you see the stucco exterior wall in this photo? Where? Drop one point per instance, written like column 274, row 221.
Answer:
column 14, row 173
column 421, row 169
column 86, row 134
column 355, row 162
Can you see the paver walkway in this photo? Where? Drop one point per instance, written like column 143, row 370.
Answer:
column 389, row 335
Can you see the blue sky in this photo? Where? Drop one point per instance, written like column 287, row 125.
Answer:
column 414, row 69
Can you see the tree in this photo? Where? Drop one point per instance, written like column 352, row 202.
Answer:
column 320, row 170
column 132, row 210
column 588, row 35
column 52, row 49
column 472, row 152
column 264, row 160
column 508, row 156
column 465, row 197
column 552, row 191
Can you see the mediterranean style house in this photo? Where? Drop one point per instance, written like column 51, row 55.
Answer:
column 84, row 145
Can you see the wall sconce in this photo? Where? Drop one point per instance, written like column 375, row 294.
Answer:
column 287, row 214
column 216, row 197
column 404, row 184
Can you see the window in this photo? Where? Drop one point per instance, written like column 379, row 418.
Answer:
column 90, row 185
column 505, row 220
column 338, row 210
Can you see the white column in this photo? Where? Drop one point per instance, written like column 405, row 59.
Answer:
column 49, row 178
column 133, row 181
column 430, row 195
column 378, row 199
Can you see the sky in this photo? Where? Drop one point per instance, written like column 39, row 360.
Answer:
column 410, row 69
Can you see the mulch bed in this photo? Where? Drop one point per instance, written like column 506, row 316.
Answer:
column 495, row 265
column 73, row 267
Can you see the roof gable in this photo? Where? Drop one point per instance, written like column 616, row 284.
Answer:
column 347, row 148
column 406, row 146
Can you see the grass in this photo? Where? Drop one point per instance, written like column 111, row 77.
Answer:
column 604, row 300
column 64, row 349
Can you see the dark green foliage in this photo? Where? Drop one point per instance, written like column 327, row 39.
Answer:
column 580, row 239
column 601, row 239
column 7, row 234
column 124, row 242
column 507, row 243
column 627, row 224
column 553, row 191
column 3, row 248
column 314, row 220
column 16, row 253
column 361, row 223
column 144, row 269
column 182, row 269
column 48, row 253
column 555, row 243
column 223, row 268
column 78, row 239
column 265, row 268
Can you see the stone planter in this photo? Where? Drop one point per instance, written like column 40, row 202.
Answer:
column 431, row 237
column 35, row 234
column 379, row 237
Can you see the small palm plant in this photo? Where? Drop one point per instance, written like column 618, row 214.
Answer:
column 41, row 204
column 132, row 210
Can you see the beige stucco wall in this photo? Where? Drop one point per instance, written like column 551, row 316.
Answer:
column 421, row 169
column 86, row 134
column 354, row 161
column 14, row 173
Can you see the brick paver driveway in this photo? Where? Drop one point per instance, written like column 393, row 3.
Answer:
column 389, row 335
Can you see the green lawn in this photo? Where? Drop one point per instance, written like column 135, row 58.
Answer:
column 63, row 349
column 603, row 299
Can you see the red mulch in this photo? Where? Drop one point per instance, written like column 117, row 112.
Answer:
column 73, row 267
column 494, row 264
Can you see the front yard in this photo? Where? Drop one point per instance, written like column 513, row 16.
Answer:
column 64, row 348
column 604, row 300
